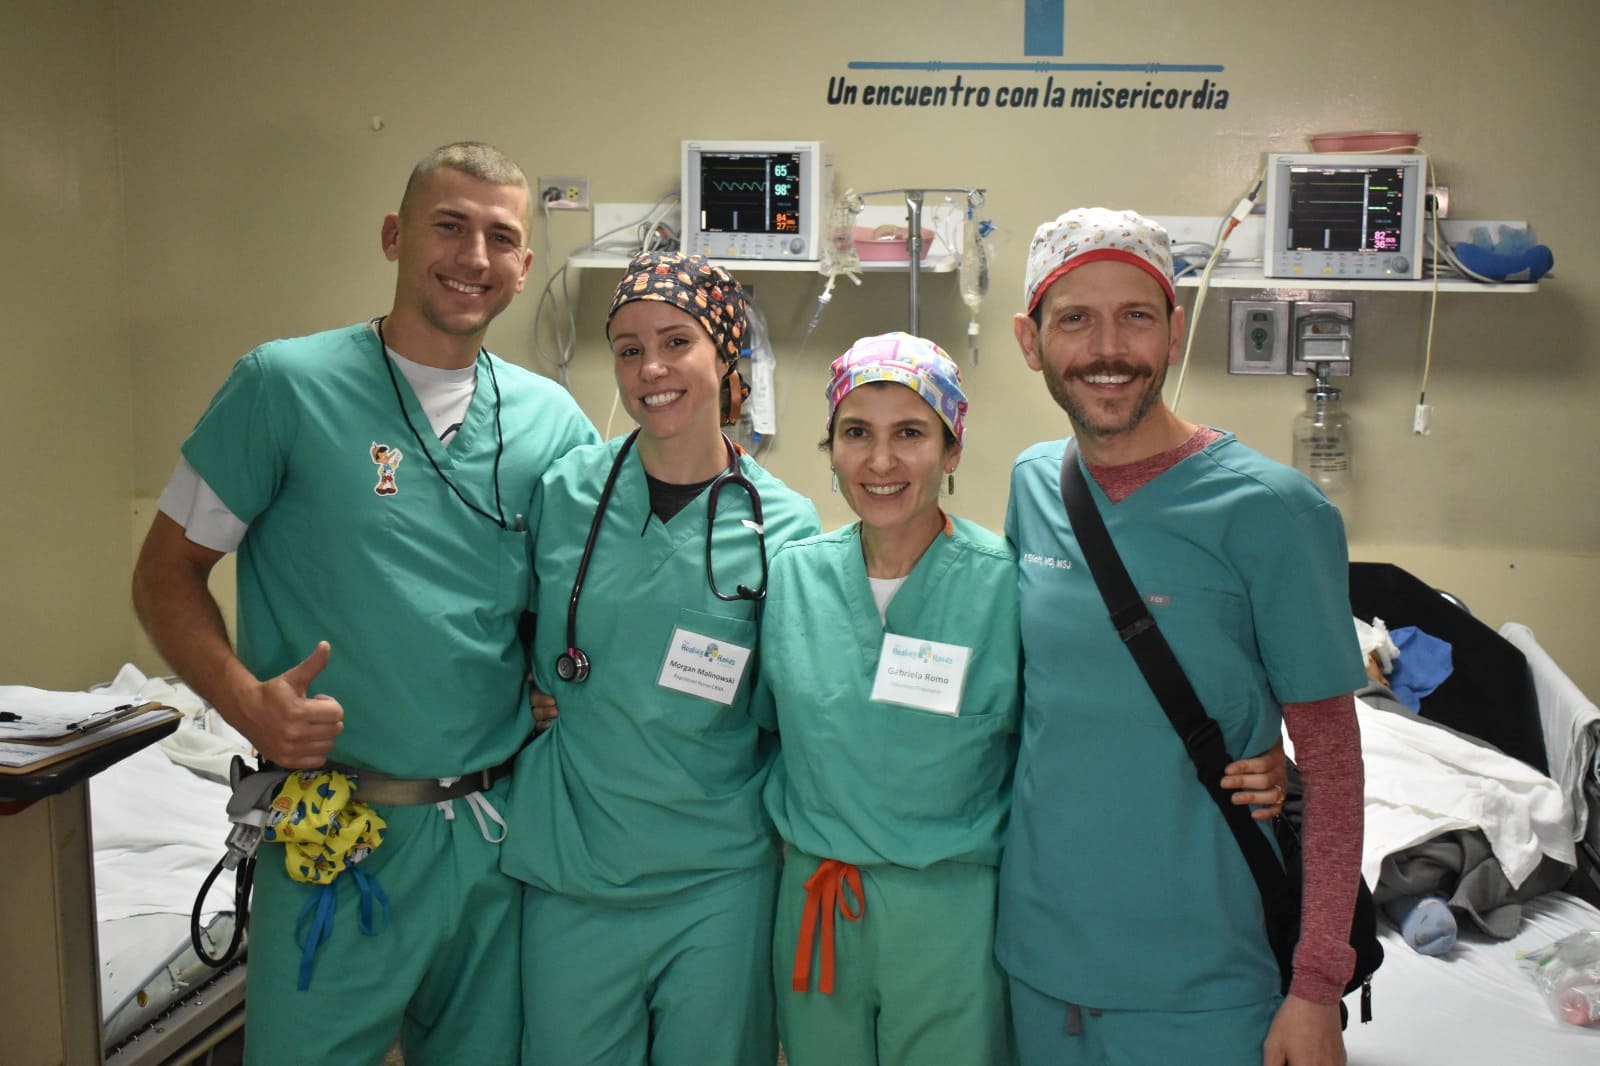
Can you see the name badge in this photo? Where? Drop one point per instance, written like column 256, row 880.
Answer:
column 700, row 666
column 923, row 674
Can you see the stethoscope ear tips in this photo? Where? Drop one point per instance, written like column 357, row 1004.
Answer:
column 573, row 666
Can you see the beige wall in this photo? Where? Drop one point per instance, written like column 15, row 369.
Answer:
column 70, row 436
column 253, row 185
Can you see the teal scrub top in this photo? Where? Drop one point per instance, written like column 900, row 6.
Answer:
column 419, row 597
column 1141, row 899
column 870, row 782
column 637, row 791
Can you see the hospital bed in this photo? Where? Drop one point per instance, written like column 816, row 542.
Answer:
column 1475, row 1004
column 159, row 823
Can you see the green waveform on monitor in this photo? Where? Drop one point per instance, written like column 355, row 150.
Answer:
column 738, row 186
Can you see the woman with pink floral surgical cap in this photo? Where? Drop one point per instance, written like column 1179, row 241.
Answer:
column 889, row 660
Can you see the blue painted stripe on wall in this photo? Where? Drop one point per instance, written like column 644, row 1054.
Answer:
column 1038, row 66
column 1044, row 27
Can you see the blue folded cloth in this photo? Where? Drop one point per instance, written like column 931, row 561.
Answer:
column 1424, row 662
column 1529, row 264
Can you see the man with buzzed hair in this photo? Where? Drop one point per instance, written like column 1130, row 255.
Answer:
column 476, row 160
column 371, row 478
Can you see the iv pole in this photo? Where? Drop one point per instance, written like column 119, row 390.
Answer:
column 914, row 199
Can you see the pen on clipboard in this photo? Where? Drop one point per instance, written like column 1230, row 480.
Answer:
column 104, row 718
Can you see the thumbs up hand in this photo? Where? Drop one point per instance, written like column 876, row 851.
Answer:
column 294, row 730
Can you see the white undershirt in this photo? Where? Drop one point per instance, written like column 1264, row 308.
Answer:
column 445, row 396
column 883, row 590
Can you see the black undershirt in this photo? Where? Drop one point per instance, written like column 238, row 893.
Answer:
column 667, row 499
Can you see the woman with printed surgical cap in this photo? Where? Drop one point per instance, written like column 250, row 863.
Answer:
column 890, row 667
column 649, row 863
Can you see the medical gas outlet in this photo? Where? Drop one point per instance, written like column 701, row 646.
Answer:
column 1258, row 337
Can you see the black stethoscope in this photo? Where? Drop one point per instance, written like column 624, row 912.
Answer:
column 573, row 665
column 517, row 522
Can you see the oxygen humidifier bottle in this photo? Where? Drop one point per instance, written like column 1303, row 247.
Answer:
column 1322, row 443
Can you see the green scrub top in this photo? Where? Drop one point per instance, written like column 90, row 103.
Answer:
column 1141, row 899
column 419, row 596
column 869, row 782
column 637, row 791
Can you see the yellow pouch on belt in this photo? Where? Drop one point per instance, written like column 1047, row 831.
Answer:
column 322, row 826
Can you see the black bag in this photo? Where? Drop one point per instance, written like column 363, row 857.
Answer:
column 1363, row 923
column 1279, row 885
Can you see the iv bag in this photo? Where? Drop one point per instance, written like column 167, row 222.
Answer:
column 839, row 254
column 762, row 408
column 974, row 264
column 974, row 276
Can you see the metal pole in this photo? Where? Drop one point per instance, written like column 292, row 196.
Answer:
column 914, row 249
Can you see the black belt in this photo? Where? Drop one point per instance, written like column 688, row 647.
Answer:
column 373, row 787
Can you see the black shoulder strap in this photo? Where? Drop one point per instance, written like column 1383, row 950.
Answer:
column 1201, row 735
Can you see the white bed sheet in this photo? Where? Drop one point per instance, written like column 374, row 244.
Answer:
column 159, row 828
column 158, row 831
column 1475, row 1006
column 1570, row 720
column 1422, row 782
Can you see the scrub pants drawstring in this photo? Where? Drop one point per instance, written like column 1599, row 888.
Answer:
column 823, row 894
column 480, row 807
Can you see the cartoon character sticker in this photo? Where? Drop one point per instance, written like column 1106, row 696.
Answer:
column 387, row 459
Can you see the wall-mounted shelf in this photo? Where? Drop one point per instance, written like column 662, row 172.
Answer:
column 1243, row 271
column 934, row 263
column 1249, row 276
column 938, row 260
column 933, row 221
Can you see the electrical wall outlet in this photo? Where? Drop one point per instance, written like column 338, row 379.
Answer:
column 563, row 194
column 1305, row 308
column 1258, row 337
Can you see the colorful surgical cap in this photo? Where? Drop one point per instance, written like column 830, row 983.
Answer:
column 919, row 365
column 693, row 284
column 1090, row 234
column 324, row 829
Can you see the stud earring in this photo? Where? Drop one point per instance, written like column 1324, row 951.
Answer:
column 836, row 481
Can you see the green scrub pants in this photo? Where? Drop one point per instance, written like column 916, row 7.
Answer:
column 442, row 973
column 915, row 979
column 1051, row 1032
column 686, row 982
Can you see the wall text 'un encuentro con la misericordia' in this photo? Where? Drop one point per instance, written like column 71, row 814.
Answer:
column 962, row 93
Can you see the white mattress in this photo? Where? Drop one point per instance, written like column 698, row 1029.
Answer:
column 1475, row 1005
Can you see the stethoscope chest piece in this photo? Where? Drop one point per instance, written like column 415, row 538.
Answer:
column 572, row 666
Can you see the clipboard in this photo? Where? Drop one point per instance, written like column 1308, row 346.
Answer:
column 19, row 757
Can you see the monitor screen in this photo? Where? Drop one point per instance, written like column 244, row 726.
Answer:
column 1346, row 209
column 750, row 192
column 1344, row 216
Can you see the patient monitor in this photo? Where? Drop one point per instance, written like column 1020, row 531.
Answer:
column 755, row 199
column 1333, row 216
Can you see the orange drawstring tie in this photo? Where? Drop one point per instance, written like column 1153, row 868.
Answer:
column 823, row 894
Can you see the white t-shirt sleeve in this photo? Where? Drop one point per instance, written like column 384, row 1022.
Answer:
column 205, row 519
